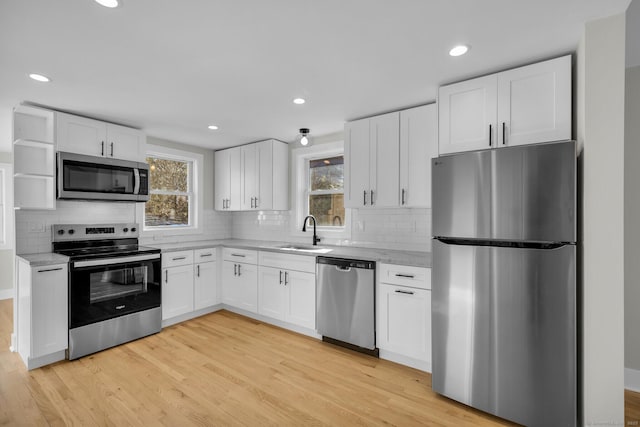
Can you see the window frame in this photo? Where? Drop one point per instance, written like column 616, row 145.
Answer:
column 300, row 176
column 195, row 195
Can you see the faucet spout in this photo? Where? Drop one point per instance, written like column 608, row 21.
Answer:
column 316, row 239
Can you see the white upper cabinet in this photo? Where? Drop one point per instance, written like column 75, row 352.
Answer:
column 525, row 105
column 467, row 115
column 82, row 135
column 418, row 145
column 227, row 179
column 253, row 177
column 534, row 103
column 372, row 161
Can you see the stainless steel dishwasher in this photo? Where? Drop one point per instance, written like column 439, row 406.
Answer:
column 346, row 303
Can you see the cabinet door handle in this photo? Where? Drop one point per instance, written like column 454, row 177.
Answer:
column 239, row 272
column 112, row 149
column 239, row 255
column 50, row 269
column 166, row 276
column 281, row 277
column 198, row 270
column 402, row 199
column 286, row 278
column 504, row 134
column 179, row 258
column 102, row 149
column 256, row 203
column 235, row 269
column 490, row 131
column 365, row 197
column 398, row 291
column 371, row 202
column 408, row 276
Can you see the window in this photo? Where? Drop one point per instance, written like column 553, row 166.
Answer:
column 175, row 192
column 170, row 193
column 318, row 190
column 326, row 191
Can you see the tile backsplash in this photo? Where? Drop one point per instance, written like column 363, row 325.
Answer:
column 405, row 229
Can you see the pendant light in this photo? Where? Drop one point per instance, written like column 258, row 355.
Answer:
column 305, row 139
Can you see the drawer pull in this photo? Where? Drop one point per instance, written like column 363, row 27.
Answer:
column 408, row 276
column 239, row 255
column 50, row 269
column 204, row 255
column 179, row 258
column 404, row 292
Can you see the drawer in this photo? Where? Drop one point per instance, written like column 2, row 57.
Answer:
column 204, row 255
column 240, row 255
column 414, row 277
column 173, row 259
column 288, row 262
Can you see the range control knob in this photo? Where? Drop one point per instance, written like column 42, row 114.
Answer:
column 125, row 230
column 133, row 230
column 71, row 231
column 60, row 232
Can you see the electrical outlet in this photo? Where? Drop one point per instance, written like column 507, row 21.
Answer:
column 36, row 227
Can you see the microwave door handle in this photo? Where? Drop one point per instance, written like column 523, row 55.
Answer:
column 136, row 186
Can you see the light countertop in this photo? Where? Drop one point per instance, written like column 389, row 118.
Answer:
column 48, row 258
column 390, row 256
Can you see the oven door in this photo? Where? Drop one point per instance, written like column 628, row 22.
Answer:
column 105, row 288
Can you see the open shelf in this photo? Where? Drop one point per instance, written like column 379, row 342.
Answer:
column 33, row 123
column 33, row 157
column 34, row 192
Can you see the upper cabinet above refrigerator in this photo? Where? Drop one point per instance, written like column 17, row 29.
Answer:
column 524, row 105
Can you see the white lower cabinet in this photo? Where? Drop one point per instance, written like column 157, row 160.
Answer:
column 43, row 328
column 204, row 285
column 287, row 294
column 177, row 291
column 404, row 315
column 240, row 279
column 188, row 282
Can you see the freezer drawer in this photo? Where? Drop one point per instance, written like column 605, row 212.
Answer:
column 523, row 193
column 504, row 331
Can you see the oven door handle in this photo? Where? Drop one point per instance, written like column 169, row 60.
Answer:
column 113, row 261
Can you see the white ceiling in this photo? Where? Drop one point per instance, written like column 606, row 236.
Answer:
column 172, row 67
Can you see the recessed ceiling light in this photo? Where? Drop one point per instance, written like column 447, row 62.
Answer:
column 39, row 77
column 299, row 101
column 459, row 50
column 213, row 127
column 108, row 3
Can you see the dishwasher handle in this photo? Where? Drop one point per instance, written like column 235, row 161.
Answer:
column 347, row 263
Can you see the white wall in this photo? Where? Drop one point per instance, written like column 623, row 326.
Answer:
column 6, row 256
column 600, row 134
column 632, row 199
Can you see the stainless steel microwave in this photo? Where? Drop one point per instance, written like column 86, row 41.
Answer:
column 83, row 177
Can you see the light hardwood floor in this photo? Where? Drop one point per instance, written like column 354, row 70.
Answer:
column 225, row 369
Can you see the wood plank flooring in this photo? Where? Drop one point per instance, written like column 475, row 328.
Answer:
column 226, row 369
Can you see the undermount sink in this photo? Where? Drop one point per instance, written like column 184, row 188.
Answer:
column 303, row 248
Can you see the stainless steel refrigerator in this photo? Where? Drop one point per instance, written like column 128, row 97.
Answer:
column 504, row 282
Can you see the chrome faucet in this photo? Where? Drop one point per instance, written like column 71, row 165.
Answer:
column 316, row 239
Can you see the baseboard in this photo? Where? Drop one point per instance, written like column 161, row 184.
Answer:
column 632, row 379
column 275, row 322
column 13, row 347
column 191, row 315
column 6, row 294
column 405, row 360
